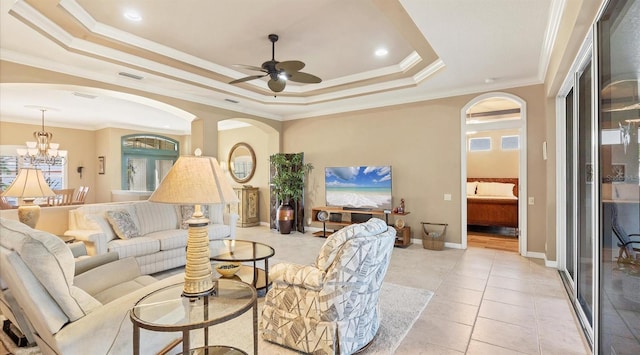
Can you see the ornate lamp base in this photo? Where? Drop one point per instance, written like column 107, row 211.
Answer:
column 29, row 213
column 198, row 278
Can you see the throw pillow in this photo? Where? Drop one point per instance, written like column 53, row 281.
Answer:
column 122, row 224
column 186, row 211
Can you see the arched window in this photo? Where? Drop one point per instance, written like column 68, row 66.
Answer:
column 146, row 159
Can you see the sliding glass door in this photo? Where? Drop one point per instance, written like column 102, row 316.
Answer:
column 584, row 196
column 601, row 140
column 618, row 39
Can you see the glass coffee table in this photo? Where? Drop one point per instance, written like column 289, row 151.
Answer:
column 166, row 310
column 245, row 251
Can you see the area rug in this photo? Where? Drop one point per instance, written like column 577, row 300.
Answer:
column 400, row 307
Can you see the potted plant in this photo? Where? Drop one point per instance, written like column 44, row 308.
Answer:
column 288, row 185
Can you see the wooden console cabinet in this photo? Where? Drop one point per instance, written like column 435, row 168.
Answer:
column 344, row 217
column 403, row 237
column 247, row 208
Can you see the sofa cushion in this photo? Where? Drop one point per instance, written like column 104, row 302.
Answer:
column 218, row 231
column 170, row 238
column 154, row 217
column 134, row 247
column 122, row 224
column 99, row 222
column 52, row 262
column 216, row 213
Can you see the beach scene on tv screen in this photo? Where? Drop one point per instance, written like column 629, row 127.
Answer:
column 359, row 187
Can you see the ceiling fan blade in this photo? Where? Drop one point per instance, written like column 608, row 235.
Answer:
column 242, row 80
column 290, row 66
column 277, row 85
column 250, row 67
column 306, row 78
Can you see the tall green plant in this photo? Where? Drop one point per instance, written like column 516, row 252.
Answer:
column 288, row 179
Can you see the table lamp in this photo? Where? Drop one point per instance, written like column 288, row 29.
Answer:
column 29, row 185
column 196, row 180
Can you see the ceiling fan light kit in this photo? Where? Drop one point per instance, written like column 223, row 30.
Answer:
column 279, row 72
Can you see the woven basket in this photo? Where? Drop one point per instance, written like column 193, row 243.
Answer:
column 431, row 238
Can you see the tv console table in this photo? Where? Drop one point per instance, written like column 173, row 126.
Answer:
column 403, row 234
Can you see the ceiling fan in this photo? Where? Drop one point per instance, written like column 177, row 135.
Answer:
column 279, row 72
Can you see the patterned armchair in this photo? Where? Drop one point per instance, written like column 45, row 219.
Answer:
column 331, row 306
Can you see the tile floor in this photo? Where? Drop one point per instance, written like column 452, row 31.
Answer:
column 485, row 301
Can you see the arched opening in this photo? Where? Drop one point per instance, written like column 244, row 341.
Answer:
column 264, row 140
column 493, row 168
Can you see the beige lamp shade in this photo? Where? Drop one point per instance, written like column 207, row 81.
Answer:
column 195, row 180
column 28, row 185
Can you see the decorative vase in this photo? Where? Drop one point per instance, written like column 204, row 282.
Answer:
column 285, row 218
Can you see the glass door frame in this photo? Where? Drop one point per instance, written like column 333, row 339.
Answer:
column 585, row 57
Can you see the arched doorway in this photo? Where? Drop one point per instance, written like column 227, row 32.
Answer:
column 264, row 140
column 494, row 130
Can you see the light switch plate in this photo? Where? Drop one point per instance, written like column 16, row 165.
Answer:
column 532, row 201
column 447, row 197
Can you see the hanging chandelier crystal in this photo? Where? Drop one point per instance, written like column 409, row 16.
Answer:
column 42, row 151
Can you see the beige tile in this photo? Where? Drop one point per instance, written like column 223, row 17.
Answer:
column 515, row 284
column 503, row 295
column 462, row 281
column 459, row 294
column 407, row 347
column 480, row 348
column 553, row 308
column 446, row 334
column 442, row 308
column 522, row 316
column 506, row 335
column 561, row 337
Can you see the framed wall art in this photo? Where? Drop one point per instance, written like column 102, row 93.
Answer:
column 101, row 165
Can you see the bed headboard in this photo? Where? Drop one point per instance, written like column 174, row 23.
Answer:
column 513, row 181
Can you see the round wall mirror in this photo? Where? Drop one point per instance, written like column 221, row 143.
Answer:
column 242, row 162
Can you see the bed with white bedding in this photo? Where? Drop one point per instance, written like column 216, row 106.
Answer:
column 492, row 202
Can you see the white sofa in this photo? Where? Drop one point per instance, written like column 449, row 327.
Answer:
column 162, row 240
column 70, row 313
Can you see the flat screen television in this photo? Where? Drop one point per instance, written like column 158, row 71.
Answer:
column 358, row 187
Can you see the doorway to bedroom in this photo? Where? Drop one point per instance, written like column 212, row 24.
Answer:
column 493, row 164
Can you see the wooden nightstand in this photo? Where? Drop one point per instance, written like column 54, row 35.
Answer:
column 403, row 237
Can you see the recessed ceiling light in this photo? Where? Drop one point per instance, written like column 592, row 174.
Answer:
column 381, row 52
column 132, row 15
column 489, row 80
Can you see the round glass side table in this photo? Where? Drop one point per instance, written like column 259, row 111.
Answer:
column 166, row 310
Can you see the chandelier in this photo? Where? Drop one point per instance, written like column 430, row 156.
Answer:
column 42, row 151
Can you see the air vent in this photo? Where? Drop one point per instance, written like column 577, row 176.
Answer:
column 232, row 101
column 86, row 96
column 132, row 76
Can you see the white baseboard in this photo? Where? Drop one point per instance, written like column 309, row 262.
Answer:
column 453, row 245
column 538, row 255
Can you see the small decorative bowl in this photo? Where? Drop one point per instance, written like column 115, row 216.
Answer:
column 227, row 269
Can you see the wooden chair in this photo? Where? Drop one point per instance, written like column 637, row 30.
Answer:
column 4, row 204
column 629, row 244
column 81, row 195
column 63, row 197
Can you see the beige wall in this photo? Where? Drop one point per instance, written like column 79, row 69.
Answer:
column 259, row 142
column 421, row 142
column 496, row 162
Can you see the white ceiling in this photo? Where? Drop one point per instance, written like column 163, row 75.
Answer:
column 187, row 49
